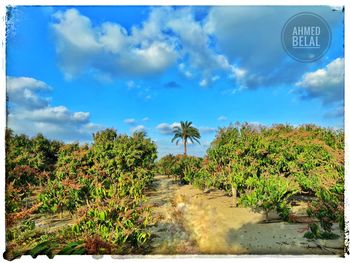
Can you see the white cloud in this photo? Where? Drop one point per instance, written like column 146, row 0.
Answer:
column 184, row 71
column 188, row 74
column 130, row 121
column 151, row 29
column 20, row 83
column 33, row 114
column 326, row 83
column 203, row 83
column 195, row 43
column 107, row 48
column 166, row 128
column 250, row 37
column 215, row 78
column 165, row 146
column 141, row 89
column 56, row 115
column 76, row 43
column 167, row 36
column 133, row 122
column 181, row 66
column 81, row 116
column 21, row 91
column 220, row 44
column 113, row 38
column 206, row 129
column 76, row 30
column 337, row 112
column 138, row 128
column 151, row 59
column 222, row 118
column 130, row 84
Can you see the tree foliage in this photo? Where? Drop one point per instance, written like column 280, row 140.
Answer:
column 101, row 185
column 264, row 167
column 182, row 168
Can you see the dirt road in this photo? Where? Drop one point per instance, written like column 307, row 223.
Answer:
column 193, row 222
column 170, row 237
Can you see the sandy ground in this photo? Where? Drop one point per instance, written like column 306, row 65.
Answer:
column 193, row 222
column 169, row 235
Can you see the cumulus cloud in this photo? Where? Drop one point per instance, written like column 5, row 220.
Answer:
column 203, row 83
column 107, row 48
column 182, row 68
column 206, row 130
column 167, row 36
column 130, row 84
column 251, row 36
column 239, row 44
column 141, row 89
column 15, row 84
column 57, row 115
column 22, row 92
column 138, row 128
column 166, row 128
column 196, row 44
column 326, row 83
column 165, row 146
column 337, row 112
column 33, row 114
column 130, row 121
column 133, row 121
column 222, row 118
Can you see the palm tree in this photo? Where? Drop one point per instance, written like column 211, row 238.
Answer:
column 185, row 132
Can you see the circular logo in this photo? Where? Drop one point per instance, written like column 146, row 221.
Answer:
column 306, row 37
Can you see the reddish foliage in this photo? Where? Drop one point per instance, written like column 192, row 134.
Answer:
column 13, row 217
column 94, row 246
column 71, row 184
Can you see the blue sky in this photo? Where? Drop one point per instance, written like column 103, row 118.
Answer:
column 74, row 70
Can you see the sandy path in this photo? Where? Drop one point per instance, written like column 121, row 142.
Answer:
column 170, row 236
column 220, row 229
column 193, row 222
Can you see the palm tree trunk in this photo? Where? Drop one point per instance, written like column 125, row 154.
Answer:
column 185, row 146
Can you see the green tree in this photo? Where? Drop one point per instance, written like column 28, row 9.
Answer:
column 186, row 132
column 269, row 192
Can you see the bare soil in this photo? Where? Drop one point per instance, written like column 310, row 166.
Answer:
column 194, row 222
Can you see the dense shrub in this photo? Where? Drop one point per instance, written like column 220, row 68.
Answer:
column 110, row 177
column 181, row 167
column 28, row 159
column 30, row 163
column 264, row 167
column 102, row 185
column 269, row 192
column 165, row 165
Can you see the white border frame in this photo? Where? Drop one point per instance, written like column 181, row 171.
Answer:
column 271, row 259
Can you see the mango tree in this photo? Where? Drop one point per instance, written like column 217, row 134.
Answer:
column 267, row 192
